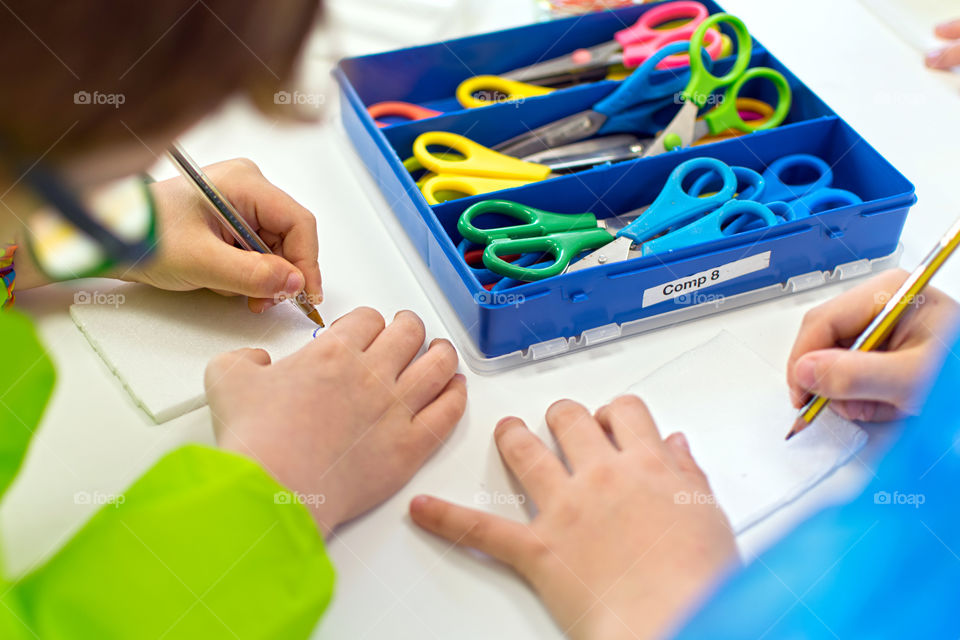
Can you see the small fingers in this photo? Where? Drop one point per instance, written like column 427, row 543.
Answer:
column 440, row 416
column 945, row 58
column 678, row 446
column 428, row 375
column 630, row 422
column 877, row 376
column 357, row 329
column 507, row 541
column 948, row 30
column 534, row 465
column 580, row 436
column 396, row 345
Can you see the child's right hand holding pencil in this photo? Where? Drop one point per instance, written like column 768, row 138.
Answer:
column 879, row 385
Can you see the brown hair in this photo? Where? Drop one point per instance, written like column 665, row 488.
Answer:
column 80, row 76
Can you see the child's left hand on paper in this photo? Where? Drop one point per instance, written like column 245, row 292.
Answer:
column 622, row 542
column 195, row 251
column 948, row 56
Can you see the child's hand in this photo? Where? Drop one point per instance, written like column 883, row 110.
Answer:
column 946, row 57
column 348, row 419
column 196, row 251
column 622, row 543
column 878, row 385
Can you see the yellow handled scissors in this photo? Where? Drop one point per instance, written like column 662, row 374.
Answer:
column 480, row 91
column 465, row 168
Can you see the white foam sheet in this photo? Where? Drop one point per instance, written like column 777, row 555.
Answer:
column 733, row 407
column 158, row 343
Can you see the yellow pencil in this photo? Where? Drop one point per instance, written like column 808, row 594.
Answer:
column 882, row 325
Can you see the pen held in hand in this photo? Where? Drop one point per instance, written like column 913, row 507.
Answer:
column 883, row 324
column 231, row 219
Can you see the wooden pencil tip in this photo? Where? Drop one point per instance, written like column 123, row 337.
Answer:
column 315, row 316
column 799, row 425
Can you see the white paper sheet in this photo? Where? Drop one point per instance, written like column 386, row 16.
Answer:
column 158, row 343
column 733, row 407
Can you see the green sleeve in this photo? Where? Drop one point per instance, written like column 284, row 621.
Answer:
column 205, row 545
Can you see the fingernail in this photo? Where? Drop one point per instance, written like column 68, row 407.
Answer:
column 267, row 304
column 506, row 419
column 934, row 56
column 681, row 440
column 419, row 502
column 806, row 372
column 460, row 377
column 294, row 284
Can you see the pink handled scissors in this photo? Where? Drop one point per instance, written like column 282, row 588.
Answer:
column 630, row 47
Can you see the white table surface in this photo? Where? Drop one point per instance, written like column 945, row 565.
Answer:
column 393, row 580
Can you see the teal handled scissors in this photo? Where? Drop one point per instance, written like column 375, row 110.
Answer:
column 560, row 236
column 685, row 129
column 628, row 109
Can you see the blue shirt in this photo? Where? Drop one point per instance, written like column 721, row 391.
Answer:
column 887, row 565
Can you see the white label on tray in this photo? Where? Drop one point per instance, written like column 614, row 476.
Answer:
column 690, row 284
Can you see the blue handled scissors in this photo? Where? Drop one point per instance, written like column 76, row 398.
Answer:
column 627, row 109
column 805, row 182
column 673, row 208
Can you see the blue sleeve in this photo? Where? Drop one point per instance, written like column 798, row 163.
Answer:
column 886, row 565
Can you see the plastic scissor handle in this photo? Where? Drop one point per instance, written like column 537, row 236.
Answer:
column 675, row 207
column 644, row 36
column 727, row 116
column 562, row 247
column 635, row 55
column 533, row 222
column 445, row 187
column 483, row 275
column 638, row 89
column 785, row 177
column 400, row 109
column 822, row 200
column 702, row 82
column 494, row 89
column 476, row 160
column 750, row 184
column 714, row 226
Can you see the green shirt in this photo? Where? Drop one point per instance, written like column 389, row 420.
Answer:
column 205, row 545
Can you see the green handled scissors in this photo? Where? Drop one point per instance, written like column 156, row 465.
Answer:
column 685, row 129
column 559, row 235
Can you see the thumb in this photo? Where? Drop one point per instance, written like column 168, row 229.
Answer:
column 248, row 273
column 224, row 363
column 840, row 374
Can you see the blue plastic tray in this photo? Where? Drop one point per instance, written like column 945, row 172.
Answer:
column 565, row 309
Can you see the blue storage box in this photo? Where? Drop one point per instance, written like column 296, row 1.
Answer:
column 541, row 319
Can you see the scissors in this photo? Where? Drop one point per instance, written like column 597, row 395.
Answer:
column 480, row 91
column 560, row 236
column 620, row 147
column 470, row 170
column 630, row 108
column 630, row 47
column 684, row 129
column 404, row 110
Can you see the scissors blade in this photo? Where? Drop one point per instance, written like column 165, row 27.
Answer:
column 616, row 251
column 589, row 153
column 600, row 56
column 573, row 128
column 683, row 126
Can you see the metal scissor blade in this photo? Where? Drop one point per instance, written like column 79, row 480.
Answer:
column 600, row 56
column 682, row 126
column 589, row 153
column 573, row 128
column 616, row 251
